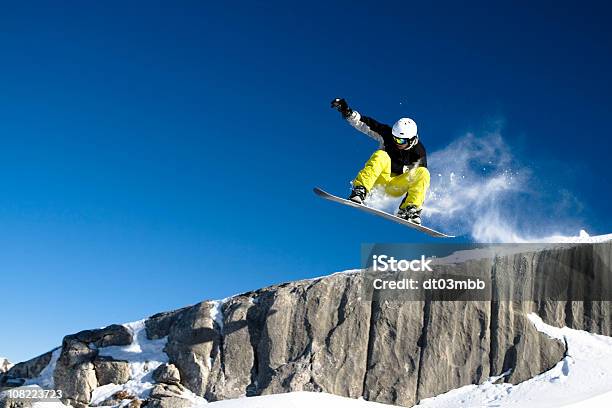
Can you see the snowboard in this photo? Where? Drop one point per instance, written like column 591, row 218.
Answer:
column 324, row 194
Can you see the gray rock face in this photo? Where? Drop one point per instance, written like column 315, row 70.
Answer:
column 594, row 316
column 75, row 372
column 167, row 373
column 168, row 402
column 167, row 396
column 193, row 343
column 159, row 324
column 321, row 335
column 16, row 375
column 30, row 368
column 109, row 371
column 113, row 335
column 77, row 382
column 328, row 324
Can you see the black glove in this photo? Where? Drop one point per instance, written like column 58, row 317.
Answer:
column 342, row 107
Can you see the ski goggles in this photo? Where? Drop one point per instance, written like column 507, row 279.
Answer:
column 400, row 141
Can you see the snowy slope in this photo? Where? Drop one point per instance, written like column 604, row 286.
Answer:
column 45, row 378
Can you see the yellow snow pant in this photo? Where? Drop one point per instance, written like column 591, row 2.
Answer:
column 377, row 170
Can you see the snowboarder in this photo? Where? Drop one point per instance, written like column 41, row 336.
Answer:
column 400, row 163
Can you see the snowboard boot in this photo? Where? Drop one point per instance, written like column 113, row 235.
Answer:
column 411, row 213
column 358, row 194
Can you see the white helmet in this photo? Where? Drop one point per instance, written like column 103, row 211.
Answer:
column 405, row 131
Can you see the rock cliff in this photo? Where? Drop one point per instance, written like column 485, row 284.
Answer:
column 322, row 335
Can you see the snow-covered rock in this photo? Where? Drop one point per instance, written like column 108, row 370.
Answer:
column 321, row 335
column 582, row 237
column 4, row 364
column 582, row 379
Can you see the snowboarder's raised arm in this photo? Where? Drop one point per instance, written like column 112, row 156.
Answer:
column 364, row 124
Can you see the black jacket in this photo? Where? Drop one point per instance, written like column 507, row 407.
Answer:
column 401, row 160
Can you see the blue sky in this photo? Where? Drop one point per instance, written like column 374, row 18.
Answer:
column 154, row 155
